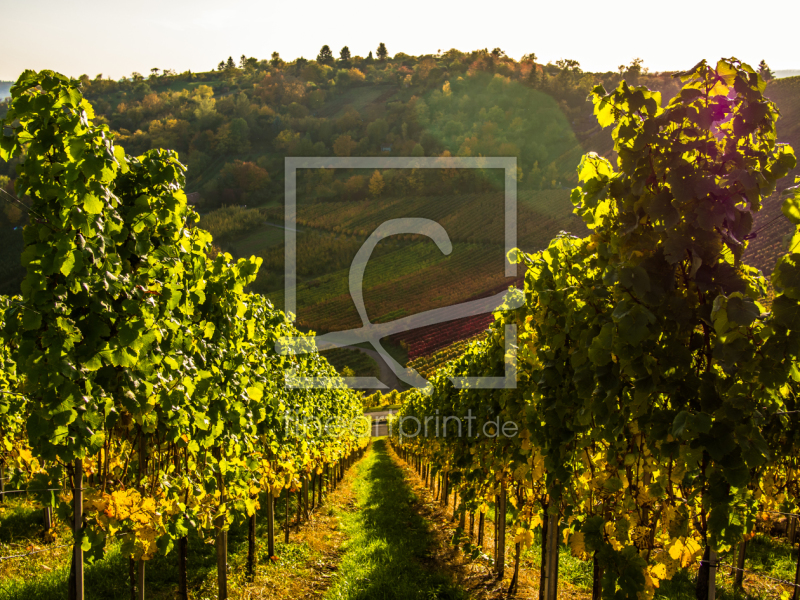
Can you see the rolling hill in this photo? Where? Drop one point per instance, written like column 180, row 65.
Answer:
column 234, row 128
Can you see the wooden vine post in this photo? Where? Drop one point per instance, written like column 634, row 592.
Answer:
column 47, row 520
column 270, row 523
column 712, row 575
column 77, row 551
column 737, row 570
column 796, row 594
column 500, row 533
column 286, row 524
column 305, row 497
column 251, row 546
column 183, row 553
column 183, row 550
column 222, row 536
column 549, row 583
column 597, row 579
column 140, row 564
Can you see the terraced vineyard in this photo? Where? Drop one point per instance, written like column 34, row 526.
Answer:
column 428, row 365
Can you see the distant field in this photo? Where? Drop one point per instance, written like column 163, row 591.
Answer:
column 361, row 364
column 412, row 279
column 258, row 239
column 406, row 275
column 474, row 218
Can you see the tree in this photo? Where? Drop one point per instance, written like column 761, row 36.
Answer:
column 568, row 64
column 633, row 72
column 276, row 61
column 246, row 181
column 382, row 52
column 221, row 66
column 529, row 60
column 344, row 54
column 242, row 61
column 170, row 133
column 377, row 130
column 325, row 56
column 230, row 64
column 300, row 64
column 234, row 136
column 342, row 78
column 155, row 71
column 355, row 187
column 344, row 145
column 376, row 184
column 370, row 58
column 764, row 71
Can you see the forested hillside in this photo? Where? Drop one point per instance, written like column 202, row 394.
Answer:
column 234, row 125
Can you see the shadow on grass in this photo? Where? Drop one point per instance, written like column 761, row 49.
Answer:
column 387, row 554
column 20, row 521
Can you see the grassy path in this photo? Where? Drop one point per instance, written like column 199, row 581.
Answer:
column 387, row 553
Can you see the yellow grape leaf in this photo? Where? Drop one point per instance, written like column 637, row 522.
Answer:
column 684, row 552
column 250, row 506
column 657, row 573
column 577, row 544
column 524, row 536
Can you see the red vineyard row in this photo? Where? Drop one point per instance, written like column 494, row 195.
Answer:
column 427, row 340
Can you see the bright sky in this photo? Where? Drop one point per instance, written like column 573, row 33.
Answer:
column 117, row 38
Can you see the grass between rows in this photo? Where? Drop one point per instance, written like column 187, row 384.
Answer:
column 387, row 552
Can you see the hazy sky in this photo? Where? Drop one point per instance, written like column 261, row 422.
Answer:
column 117, row 38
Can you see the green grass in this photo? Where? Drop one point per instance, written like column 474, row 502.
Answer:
column 771, row 555
column 257, row 240
column 388, row 541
